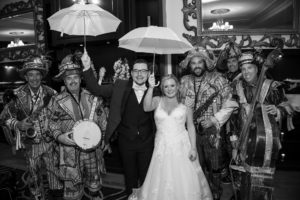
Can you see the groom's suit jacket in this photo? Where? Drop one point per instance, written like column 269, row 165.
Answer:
column 119, row 94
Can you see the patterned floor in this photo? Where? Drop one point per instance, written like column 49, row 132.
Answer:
column 287, row 182
column 13, row 185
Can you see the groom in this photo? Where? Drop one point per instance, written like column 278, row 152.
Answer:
column 134, row 126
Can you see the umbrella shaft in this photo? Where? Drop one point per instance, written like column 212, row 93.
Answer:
column 84, row 37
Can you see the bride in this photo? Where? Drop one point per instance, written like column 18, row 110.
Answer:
column 174, row 172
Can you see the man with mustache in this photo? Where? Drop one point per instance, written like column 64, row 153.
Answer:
column 228, row 62
column 26, row 114
column 78, row 168
column 269, row 111
column 207, row 90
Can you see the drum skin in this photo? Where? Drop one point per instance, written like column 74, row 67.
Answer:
column 86, row 134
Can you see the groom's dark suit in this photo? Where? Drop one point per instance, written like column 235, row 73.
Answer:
column 135, row 127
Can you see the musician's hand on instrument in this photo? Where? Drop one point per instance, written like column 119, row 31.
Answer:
column 271, row 109
column 24, row 124
column 207, row 123
column 151, row 81
column 193, row 154
column 86, row 60
column 107, row 148
column 234, row 144
column 65, row 139
column 234, row 154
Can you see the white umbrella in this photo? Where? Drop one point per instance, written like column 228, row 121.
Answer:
column 83, row 19
column 154, row 39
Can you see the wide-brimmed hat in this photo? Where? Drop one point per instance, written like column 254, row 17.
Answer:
column 34, row 63
column 255, row 57
column 231, row 50
column 245, row 58
column 203, row 53
column 66, row 68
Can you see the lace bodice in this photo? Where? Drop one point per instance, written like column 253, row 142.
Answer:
column 172, row 123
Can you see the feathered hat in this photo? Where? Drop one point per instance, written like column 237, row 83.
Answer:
column 67, row 67
column 34, row 63
column 203, row 53
column 231, row 50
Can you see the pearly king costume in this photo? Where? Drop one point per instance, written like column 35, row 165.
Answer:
column 78, row 168
column 263, row 145
column 208, row 95
column 36, row 141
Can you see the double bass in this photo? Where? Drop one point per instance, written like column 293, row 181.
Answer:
column 259, row 144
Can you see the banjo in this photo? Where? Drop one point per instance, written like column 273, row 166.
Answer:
column 86, row 133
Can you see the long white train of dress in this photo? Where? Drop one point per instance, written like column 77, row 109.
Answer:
column 171, row 174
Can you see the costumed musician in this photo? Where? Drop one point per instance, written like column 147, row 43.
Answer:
column 27, row 115
column 74, row 110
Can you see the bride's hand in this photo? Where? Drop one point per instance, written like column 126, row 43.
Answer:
column 151, row 81
column 193, row 154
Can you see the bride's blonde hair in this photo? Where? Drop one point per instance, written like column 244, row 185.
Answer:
column 168, row 77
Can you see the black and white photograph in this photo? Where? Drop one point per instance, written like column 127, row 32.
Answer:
column 149, row 99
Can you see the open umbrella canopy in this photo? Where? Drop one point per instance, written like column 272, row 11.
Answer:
column 154, row 39
column 83, row 19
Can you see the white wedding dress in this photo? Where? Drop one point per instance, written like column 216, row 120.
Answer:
column 171, row 174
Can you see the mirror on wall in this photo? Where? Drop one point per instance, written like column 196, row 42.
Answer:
column 17, row 30
column 249, row 23
column 21, row 22
column 221, row 16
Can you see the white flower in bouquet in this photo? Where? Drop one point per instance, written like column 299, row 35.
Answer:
column 121, row 69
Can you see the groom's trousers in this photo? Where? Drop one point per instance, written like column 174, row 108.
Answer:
column 136, row 156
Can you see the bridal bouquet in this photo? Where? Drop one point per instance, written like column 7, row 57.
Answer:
column 121, row 69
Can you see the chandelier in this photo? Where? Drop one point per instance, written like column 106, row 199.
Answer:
column 220, row 25
column 16, row 43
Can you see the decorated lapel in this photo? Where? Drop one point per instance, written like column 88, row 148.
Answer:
column 66, row 104
column 87, row 101
column 24, row 98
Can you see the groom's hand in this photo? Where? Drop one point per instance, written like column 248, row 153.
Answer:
column 86, row 60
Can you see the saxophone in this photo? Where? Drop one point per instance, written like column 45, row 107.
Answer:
column 199, row 111
column 210, row 132
column 33, row 117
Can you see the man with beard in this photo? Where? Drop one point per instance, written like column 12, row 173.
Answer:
column 78, row 168
column 228, row 62
column 207, row 92
column 26, row 114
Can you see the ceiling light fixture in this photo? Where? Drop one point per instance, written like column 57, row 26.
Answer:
column 220, row 25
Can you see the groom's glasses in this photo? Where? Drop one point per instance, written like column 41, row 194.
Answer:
column 143, row 71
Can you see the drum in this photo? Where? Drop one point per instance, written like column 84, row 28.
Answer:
column 86, row 134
